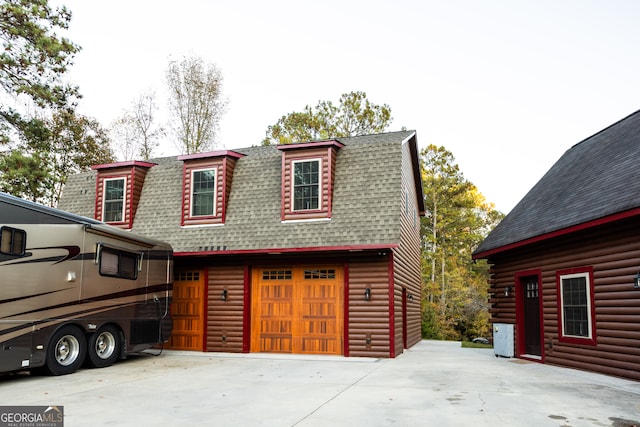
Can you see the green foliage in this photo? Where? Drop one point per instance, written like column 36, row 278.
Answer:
column 469, row 344
column 50, row 150
column 76, row 142
column 33, row 57
column 355, row 115
column 458, row 218
column 45, row 144
column 24, row 175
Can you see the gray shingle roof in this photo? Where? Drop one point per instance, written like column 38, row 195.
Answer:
column 367, row 201
column 595, row 178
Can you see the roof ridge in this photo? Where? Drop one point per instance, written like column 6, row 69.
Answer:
column 605, row 129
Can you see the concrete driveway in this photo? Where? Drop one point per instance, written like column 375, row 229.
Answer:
column 434, row 383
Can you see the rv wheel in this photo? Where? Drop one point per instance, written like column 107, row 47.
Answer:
column 66, row 351
column 104, row 347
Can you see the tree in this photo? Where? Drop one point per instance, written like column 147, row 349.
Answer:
column 196, row 103
column 355, row 115
column 77, row 142
column 458, row 218
column 124, row 137
column 51, row 151
column 23, row 175
column 33, row 60
column 135, row 132
column 46, row 141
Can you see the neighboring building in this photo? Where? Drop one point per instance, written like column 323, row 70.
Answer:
column 565, row 262
column 302, row 248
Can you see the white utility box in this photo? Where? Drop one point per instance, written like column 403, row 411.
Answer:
column 503, row 339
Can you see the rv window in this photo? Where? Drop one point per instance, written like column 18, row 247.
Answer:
column 13, row 241
column 117, row 263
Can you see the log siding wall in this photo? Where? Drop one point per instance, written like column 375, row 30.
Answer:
column 224, row 328
column 368, row 326
column 134, row 181
column 221, row 191
column 406, row 260
column 613, row 254
column 327, row 157
column 367, row 330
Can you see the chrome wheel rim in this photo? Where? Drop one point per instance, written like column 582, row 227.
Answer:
column 67, row 350
column 105, row 345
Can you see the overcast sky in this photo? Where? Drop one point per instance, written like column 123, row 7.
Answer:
column 507, row 86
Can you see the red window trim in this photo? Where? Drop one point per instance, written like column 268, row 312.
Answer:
column 324, row 151
column 218, row 160
column 189, row 215
column 592, row 340
column 186, row 218
column 127, row 202
column 131, row 171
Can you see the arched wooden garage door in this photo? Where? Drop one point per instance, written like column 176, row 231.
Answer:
column 297, row 310
column 187, row 311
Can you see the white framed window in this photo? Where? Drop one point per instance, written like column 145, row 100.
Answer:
column 306, row 184
column 576, row 306
column 203, row 192
column 114, row 199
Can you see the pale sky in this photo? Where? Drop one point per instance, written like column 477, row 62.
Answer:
column 507, row 86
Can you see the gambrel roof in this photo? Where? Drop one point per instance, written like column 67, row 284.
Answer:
column 367, row 200
column 595, row 181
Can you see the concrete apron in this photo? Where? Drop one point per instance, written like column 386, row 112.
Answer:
column 434, row 383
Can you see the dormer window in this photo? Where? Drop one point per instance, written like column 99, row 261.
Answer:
column 118, row 187
column 206, row 186
column 308, row 171
column 114, row 197
column 306, row 185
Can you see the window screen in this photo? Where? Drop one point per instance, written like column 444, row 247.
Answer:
column 116, row 263
column 12, row 241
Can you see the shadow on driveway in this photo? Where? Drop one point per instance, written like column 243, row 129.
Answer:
column 434, row 383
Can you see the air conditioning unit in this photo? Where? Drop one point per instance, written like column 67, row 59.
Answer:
column 503, row 339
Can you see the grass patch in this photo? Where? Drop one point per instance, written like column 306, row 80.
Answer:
column 469, row 344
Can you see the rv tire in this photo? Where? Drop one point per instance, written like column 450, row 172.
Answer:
column 104, row 347
column 66, row 351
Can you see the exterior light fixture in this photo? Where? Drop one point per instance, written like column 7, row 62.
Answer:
column 507, row 290
column 636, row 281
column 367, row 294
column 410, row 296
column 225, row 295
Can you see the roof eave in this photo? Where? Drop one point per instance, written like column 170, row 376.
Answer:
column 279, row 251
column 412, row 140
column 557, row 233
column 208, row 154
column 127, row 163
column 312, row 144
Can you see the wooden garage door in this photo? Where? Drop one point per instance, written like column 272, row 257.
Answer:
column 297, row 310
column 187, row 308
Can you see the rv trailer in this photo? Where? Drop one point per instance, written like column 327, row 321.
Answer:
column 76, row 291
